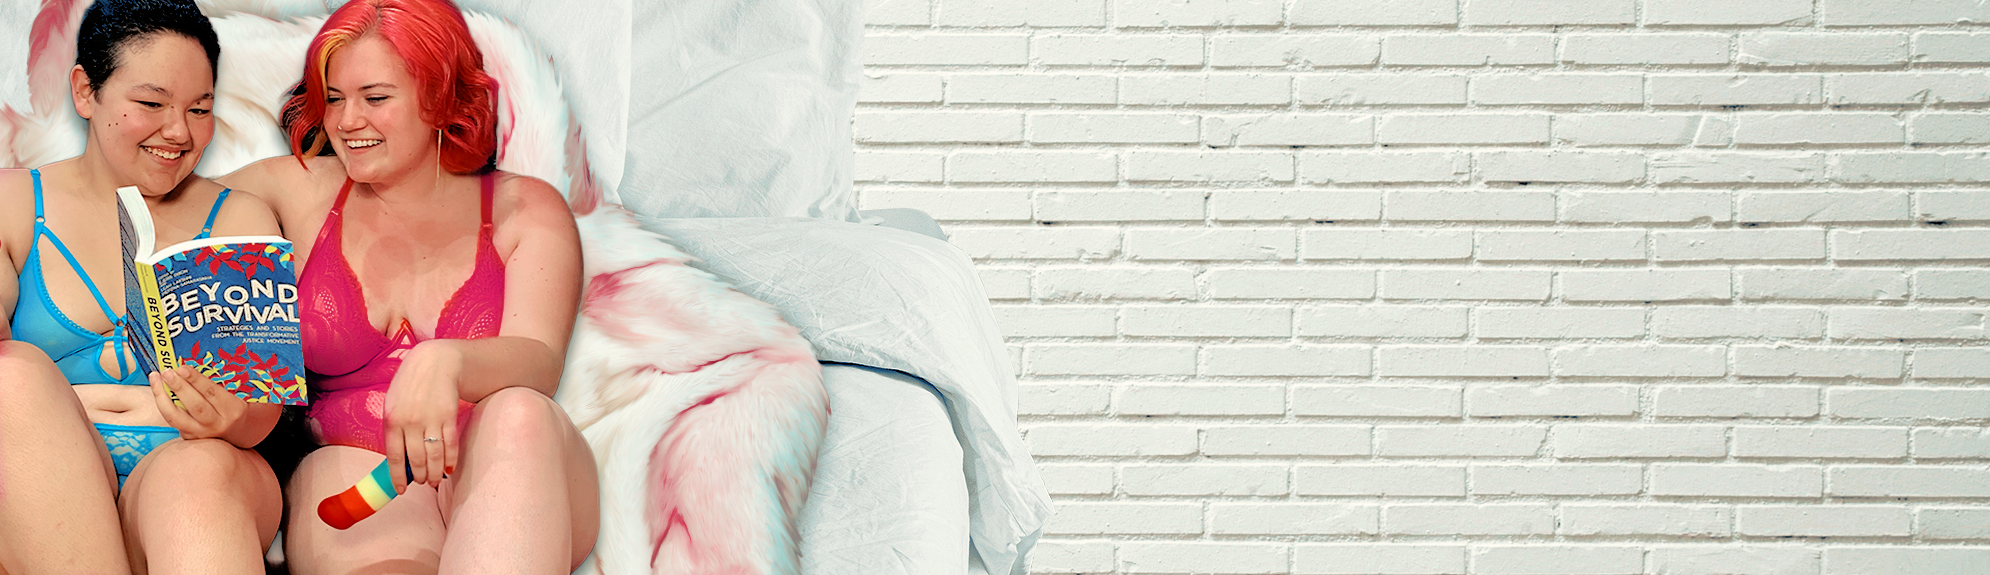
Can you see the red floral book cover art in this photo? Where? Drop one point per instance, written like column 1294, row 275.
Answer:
column 229, row 307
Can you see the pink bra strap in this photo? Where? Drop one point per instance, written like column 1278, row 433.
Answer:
column 339, row 204
column 334, row 225
column 489, row 184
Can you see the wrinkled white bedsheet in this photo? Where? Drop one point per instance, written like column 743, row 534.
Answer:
column 896, row 300
column 888, row 497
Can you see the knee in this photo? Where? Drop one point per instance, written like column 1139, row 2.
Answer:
column 318, row 475
column 14, row 350
column 28, row 378
column 522, row 417
column 24, row 364
column 210, row 464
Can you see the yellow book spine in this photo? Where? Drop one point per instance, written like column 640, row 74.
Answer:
column 155, row 319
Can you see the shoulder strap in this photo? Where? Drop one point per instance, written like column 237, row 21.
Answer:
column 207, row 229
column 84, row 275
column 489, row 184
column 338, row 205
column 333, row 228
column 57, row 242
column 37, row 177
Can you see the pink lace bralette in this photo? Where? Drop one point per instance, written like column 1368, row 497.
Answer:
column 349, row 363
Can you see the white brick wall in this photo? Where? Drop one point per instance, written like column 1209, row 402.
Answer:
column 1471, row 286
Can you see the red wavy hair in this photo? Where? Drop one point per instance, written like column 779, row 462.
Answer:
column 455, row 94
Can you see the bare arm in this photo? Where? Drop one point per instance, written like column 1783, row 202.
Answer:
column 13, row 200
column 255, row 425
column 260, row 177
column 541, row 294
column 282, row 183
column 10, row 293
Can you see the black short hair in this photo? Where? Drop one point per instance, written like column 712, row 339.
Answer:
column 111, row 25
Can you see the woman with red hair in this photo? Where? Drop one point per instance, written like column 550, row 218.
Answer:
column 392, row 202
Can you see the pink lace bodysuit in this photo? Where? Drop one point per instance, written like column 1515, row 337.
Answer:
column 349, row 363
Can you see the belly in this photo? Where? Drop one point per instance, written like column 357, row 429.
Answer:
column 119, row 404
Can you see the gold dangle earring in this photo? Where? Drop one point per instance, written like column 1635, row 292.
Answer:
column 438, row 160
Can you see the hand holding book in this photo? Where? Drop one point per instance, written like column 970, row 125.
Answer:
column 197, row 406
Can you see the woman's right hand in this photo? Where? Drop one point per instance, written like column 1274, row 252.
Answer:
column 197, row 406
column 421, row 410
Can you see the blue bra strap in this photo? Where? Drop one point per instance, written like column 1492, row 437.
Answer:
column 37, row 176
column 73, row 264
column 207, row 229
column 117, row 347
column 117, row 326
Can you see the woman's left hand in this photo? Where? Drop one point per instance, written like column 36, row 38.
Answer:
column 421, row 414
column 205, row 409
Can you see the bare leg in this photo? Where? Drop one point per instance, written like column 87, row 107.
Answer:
column 58, row 507
column 404, row 537
column 200, row 506
column 524, row 498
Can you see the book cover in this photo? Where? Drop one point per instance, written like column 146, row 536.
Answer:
column 227, row 305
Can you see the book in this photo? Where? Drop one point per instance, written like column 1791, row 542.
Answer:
column 226, row 305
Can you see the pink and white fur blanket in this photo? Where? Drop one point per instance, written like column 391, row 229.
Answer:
column 704, row 408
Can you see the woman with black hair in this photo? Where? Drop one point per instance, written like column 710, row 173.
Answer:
column 99, row 471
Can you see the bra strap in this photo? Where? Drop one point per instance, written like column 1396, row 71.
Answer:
column 117, row 347
column 339, row 204
column 57, row 242
column 489, row 184
column 37, row 176
column 80, row 273
column 335, row 218
column 207, row 229
column 117, row 322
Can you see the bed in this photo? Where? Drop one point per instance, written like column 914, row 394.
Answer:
column 910, row 311
column 725, row 127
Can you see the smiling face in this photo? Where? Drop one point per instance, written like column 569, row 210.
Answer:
column 373, row 116
column 150, row 120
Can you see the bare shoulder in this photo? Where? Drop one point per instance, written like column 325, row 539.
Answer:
column 17, row 192
column 530, row 201
column 17, row 200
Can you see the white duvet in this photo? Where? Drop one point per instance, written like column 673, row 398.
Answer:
column 896, row 300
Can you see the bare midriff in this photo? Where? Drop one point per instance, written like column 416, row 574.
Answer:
column 119, row 404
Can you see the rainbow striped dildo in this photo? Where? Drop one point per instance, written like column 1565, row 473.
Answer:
column 360, row 501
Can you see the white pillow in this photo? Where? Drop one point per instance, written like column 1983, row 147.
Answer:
column 742, row 108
